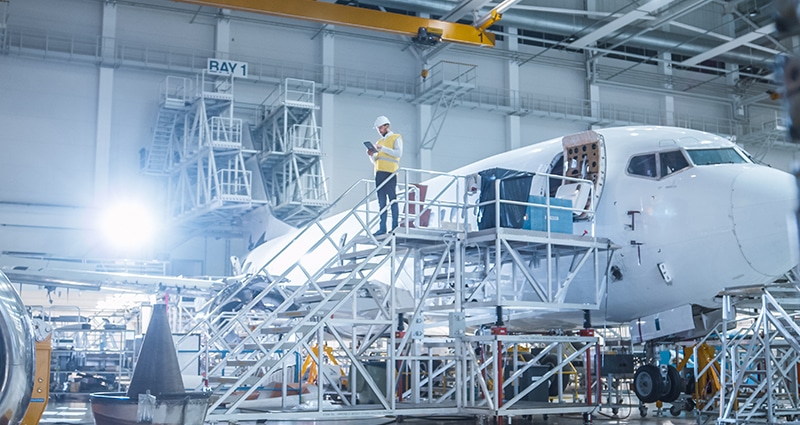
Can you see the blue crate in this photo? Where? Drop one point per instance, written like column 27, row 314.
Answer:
column 560, row 220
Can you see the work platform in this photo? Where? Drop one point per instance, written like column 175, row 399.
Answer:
column 341, row 323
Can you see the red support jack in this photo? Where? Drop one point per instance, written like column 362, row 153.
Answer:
column 499, row 329
column 401, row 377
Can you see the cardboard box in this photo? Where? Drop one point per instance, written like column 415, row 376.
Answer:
column 560, row 220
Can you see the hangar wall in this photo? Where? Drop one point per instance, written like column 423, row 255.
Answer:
column 48, row 107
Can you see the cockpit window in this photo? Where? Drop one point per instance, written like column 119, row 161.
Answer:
column 657, row 165
column 716, row 156
column 643, row 165
column 672, row 162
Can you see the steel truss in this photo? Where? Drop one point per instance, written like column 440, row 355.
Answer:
column 444, row 84
column 198, row 144
column 404, row 347
column 747, row 367
column 288, row 137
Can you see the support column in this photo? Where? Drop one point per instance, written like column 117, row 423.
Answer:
column 105, row 97
column 668, row 101
column 592, row 92
column 328, row 103
column 222, row 34
column 592, row 89
column 513, row 126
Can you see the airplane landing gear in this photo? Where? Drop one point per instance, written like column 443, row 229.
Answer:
column 654, row 384
column 647, row 383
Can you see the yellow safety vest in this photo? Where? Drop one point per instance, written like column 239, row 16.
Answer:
column 384, row 161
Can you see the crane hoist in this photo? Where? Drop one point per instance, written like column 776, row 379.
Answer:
column 423, row 30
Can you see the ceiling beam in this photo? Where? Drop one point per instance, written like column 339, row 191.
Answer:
column 465, row 7
column 730, row 45
column 336, row 14
column 624, row 20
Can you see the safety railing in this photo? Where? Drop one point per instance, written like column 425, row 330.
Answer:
column 75, row 48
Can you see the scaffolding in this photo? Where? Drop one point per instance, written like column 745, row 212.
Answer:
column 405, row 317
column 200, row 147
column 444, row 84
column 288, row 138
column 746, row 370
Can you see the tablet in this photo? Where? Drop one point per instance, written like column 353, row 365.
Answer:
column 371, row 146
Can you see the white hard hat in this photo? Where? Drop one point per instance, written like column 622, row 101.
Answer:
column 381, row 120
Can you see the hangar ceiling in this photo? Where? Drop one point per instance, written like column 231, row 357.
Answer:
column 732, row 43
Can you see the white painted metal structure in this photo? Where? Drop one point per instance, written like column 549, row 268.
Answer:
column 287, row 137
column 199, row 145
column 756, row 358
column 328, row 281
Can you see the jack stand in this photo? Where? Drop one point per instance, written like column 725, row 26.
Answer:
column 660, row 408
column 499, row 329
column 588, row 331
column 401, row 377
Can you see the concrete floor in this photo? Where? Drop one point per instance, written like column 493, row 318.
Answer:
column 77, row 412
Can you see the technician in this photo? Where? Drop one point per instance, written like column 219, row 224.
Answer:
column 387, row 161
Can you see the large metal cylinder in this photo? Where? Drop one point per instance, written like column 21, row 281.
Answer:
column 17, row 351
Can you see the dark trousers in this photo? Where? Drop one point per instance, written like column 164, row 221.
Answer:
column 387, row 193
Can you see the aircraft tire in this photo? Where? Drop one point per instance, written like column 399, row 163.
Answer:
column 647, row 383
column 674, row 385
column 552, row 390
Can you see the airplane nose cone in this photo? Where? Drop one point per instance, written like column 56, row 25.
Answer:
column 763, row 205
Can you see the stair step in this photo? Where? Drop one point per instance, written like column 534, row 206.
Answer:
column 347, row 268
column 364, row 253
column 241, row 362
column 273, row 330
column 333, row 283
column 251, row 346
column 250, row 380
column 277, row 330
column 291, row 314
column 443, row 292
column 315, row 298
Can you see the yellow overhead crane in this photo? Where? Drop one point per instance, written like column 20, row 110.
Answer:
column 427, row 30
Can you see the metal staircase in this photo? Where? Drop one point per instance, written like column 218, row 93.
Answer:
column 288, row 138
column 756, row 358
column 446, row 83
column 159, row 155
column 394, row 313
column 199, row 146
column 331, row 296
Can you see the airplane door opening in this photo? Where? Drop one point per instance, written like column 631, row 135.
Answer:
column 583, row 157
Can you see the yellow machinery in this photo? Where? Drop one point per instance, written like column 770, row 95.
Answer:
column 331, row 13
column 310, row 365
column 41, row 378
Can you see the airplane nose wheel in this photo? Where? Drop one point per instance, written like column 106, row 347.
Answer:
column 650, row 386
column 647, row 383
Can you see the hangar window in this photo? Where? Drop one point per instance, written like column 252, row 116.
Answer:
column 716, row 156
column 643, row 165
column 672, row 162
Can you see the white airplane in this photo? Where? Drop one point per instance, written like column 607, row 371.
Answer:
column 687, row 212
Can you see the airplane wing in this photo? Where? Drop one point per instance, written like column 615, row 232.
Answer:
column 120, row 282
